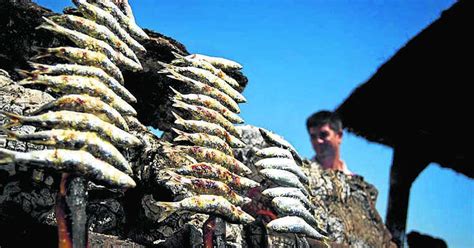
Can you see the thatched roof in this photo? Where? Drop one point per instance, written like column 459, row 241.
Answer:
column 421, row 97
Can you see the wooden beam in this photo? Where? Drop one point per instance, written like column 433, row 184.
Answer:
column 408, row 162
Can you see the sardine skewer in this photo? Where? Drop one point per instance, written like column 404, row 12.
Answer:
column 208, row 102
column 217, row 172
column 84, row 41
column 125, row 22
column 83, row 57
column 208, row 204
column 77, row 162
column 205, row 140
column 209, row 128
column 84, row 104
column 77, row 121
column 207, row 187
column 80, row 85
column 85, row 71
column 182, row 60
column 97, row 31
column 71, row 139
column 102, row 17
column 205, row 89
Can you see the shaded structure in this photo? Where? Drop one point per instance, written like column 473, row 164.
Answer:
column 418, row 104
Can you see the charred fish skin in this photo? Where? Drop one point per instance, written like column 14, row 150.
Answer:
column 205, row 140
column 207, row 204
column 83, row 57
column 270, row 152
column 284, row 178
column 85, row 71
column 202, row 64
column 208, row 102
column 221, row 63
column 81, row 85
column 294, row 224
column 214, row 156
column 206, row 114
column 77, row 162
column 286, row 206
column 71, row 139
column 208, row 187
column 277, row 140
column 209, row 128
column 85, row 104
column 97, row 31
column 205, row 89
column 283, row 164
column 217, row 172
column 288, row 192
column 125, row 22
column 78, row 121
column 104, row 18
column 206, row 77
column 90, row 43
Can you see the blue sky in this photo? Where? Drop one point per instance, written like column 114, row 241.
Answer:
column 304, row 56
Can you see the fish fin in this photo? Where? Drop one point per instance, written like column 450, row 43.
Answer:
column 167, row 208
column 179, row 120
column 26, row 74
column 176, row 75
column 38, row 67
column 181, row 135
column 179, row 104
column 6, row 156
column 163, row 71
column 42, row 52
column 48, row 25
column 14, row 118
column 10, row 134
column 177, row 55
column 164, row 65
column 177, row 95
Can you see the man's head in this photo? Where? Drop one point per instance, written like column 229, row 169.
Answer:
column 325, row 130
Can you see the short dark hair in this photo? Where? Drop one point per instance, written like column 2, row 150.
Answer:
column 324, row 117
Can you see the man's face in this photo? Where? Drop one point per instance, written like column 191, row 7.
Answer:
column 325, row 141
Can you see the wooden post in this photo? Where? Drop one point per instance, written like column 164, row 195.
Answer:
column 71, row 212
column 407, row 164
column 214, row 231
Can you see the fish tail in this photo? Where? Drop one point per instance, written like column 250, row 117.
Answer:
column 167, row 208
column 166, row 67
column 179, row 120
column 10, row 134
column 38, row 67
column 175, row 75
column 48, row 25
column 15, row 119
column 42, row 52
column 181, row 135
column 178, row 58
column 179, row 104
column 26, row 75
column 6, row 156
column 177, row 95
column 177, row 55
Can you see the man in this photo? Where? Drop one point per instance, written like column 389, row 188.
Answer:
column 325, row 130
